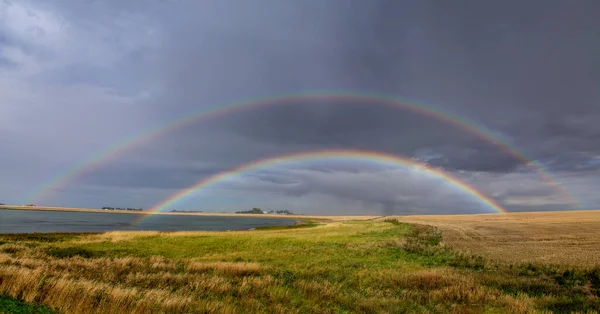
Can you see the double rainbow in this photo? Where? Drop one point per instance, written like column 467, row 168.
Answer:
column 96, row 160
column 319, row 155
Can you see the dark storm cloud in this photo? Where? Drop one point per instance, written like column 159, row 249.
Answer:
column 506, row 65
column 371, row 126
column 95, row 73
column 131, row 176
column 529, row 70
column 347, row 167
column 274, row 177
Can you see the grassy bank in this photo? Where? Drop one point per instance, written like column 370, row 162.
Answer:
column 339, row 267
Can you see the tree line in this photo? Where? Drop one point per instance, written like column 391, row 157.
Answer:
column 119, row 208
column 260, row 211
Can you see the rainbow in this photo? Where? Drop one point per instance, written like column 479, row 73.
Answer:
column 359, row 155
column 43, row 191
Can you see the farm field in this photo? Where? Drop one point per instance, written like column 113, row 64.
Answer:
column 563, row 237
column 385, row 265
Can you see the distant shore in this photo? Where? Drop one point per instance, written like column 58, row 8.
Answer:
column 93, row 210
column 493, row 216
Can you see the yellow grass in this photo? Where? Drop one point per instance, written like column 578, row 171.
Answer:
column 563, row 237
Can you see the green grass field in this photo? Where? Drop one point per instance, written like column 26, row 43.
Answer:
column 337, row 267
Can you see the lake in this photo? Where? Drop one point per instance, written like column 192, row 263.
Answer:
column 29, row 221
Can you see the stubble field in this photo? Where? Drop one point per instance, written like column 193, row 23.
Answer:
column 563, row 237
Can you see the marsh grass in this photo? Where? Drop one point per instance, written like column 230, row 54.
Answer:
column 65, row 252
column 338, row 267
column 40, row 237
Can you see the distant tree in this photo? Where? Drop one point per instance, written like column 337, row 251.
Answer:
column 252, row 211
column 119, row 208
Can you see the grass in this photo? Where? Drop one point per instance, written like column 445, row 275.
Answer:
column 12, row 306
column 298, row 225
column 65, row 252
column 336, row 267
column 39, row 237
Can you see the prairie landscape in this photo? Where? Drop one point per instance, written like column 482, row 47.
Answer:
column 299, row 156
column 516, row 263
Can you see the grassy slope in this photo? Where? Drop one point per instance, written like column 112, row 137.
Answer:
column 338, row 267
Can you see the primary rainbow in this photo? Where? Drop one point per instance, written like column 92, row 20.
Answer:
column 45, row 189
column 360, row 155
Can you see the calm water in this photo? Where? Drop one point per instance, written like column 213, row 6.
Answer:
column 28, row 221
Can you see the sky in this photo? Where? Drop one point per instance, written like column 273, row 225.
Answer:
column 79, row 77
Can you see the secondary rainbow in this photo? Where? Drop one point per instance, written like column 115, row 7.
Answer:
column 360, row 155
column 42, row 191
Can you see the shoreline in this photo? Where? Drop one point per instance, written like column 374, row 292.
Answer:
column 281, row 221
column 495, row 216
column 215, row 214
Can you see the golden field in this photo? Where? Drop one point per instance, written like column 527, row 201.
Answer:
column 562, row 237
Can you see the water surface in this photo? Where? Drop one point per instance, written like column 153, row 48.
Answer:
column 29, row 221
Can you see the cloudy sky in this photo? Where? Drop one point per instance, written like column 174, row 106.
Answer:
column 79, row 77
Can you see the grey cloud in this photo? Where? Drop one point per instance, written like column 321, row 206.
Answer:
column 464, row 60
column 92, row 74
column 389, row 190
